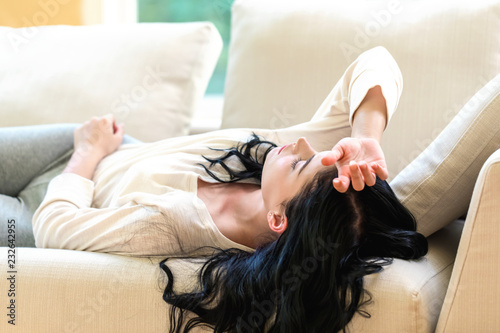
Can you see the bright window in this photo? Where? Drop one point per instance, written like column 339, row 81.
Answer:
column 217, row 11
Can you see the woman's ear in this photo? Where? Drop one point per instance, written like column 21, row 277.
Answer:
column 277, row 222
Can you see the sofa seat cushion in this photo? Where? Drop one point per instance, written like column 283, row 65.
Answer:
column 408, row 295
column 73, row 291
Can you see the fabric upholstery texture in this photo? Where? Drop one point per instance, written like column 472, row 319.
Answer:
column 70, row 291
column 446, row 50
column 472, row 303
column 76, row 291
column 437, row 186
column 408, row 295
column 151, row 76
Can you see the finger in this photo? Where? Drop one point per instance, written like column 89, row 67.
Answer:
column 341, row 184
column 109, row 116
column 380, row 171
column 368, row 176
column 118, row 135
column 108, row 121
column 332, row 157
column 120, row 129
column 356, row 177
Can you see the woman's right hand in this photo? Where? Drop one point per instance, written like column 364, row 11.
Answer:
column 99, row 136
column 359, row 161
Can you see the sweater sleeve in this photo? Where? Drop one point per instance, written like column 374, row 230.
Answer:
column 333, row 120
column 66, row 220
column 375, row 67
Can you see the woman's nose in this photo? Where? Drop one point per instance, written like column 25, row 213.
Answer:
column 302, row 145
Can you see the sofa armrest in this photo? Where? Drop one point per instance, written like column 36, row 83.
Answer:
column 71, row 291
column 472, row 302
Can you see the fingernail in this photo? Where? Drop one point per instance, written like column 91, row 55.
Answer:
column 352, row 163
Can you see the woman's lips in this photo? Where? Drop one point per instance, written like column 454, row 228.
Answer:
column 282, row 149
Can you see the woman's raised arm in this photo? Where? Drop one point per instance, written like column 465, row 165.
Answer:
column 360, row 158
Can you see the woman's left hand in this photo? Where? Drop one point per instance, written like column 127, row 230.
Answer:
column 99, row 136
column 94, row 140
column 359, row 161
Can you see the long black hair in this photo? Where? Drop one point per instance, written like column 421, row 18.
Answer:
column 311, row 278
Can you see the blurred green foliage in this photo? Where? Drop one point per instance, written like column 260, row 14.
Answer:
column 216, row 11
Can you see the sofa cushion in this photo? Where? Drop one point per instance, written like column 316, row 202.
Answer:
column 286, row 55
column 437, row 185
column 407, row 296
column 112, row 293
column 150, row 76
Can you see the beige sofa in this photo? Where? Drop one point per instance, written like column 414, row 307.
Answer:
column 441, row 146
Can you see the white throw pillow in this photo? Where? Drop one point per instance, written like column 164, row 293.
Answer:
column 150, row 76
column 286, row 55
column 437, row 186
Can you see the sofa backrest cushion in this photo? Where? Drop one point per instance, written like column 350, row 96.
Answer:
column 286, row 55
column 151, row 76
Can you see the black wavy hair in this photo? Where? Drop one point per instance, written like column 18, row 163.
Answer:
column 311, row 278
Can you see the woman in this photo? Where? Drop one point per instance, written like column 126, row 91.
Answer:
column 306, row 276
column 258, row 212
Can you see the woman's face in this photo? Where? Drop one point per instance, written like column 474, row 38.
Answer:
column 287, row 169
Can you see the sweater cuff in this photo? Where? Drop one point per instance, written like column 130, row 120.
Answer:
column 72, row 188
